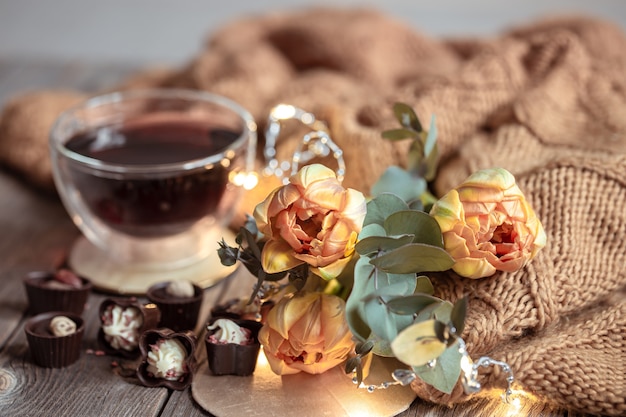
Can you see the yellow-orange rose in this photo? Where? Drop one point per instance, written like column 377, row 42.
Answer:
column 312, row 220
column 488, row 225
column 307, row 332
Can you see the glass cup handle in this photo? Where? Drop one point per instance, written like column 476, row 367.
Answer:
column 315, row 144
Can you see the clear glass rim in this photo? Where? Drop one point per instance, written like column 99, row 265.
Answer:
column 248, row 132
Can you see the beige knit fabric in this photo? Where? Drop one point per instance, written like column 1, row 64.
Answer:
column 26, row 121
column 546, row 101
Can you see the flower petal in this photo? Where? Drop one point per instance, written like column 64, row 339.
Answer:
column 307, row 332
column 278, row 256
column 448, row 211
column 325, row 194
column 331, row 271
column 355, row 209
column 309, row 174
column 498, row 178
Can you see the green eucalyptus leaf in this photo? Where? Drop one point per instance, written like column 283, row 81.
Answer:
column 275, row 277
column 379, row 208
column 358, row 327
column 376, row 244
column 251, row 241
column 407, row 117
column 415, row 157
column 431, row 152
column 400, row 182
column 346, row 278
column 421, row 225
column 372, row 230
column 440, row 311
column 430, row 163
column 407, row 279
column 428, row 313
column 364, row 348
column 445, row 374
column 359, row 374
column 352, row 363
column 362, row 285
column 381, row 347
column 431, row 138
column 384, row 323
column 388, row 289
column 399, row 134
column 411, row 304
column 418, row 344
column 442, row 332
column 443, row 312
column 257, row 286
column 457, row 316
column 367, row 315
column 428, row 200
column 251, row 226
column 414, row 258
column 227, row 254
column 424, row 285
column 417, row 205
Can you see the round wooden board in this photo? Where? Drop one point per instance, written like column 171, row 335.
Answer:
column 89, row 261
column 330, row 394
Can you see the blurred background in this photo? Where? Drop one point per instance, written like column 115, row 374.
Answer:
column 171, row 31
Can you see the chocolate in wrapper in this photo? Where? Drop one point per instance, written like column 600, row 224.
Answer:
column 43, row 296
column 177, row 313
column 52, row 351
column 129, row 342
column 231, row 358
column 149, row 340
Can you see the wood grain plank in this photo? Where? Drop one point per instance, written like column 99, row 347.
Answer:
column 181, row 403
column 36, row 231
column 89, row 387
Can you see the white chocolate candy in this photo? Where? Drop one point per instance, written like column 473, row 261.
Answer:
column 228, row 332
column 62, row 326
column 166, row 359
column 180, row 289
column 121, row 327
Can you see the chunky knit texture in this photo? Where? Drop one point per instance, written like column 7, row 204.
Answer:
column 546, row 101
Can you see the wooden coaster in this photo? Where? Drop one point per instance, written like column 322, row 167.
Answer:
column 91, row 262
column 301, row 395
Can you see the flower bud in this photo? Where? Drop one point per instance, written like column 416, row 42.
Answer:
column 488, row 225
column 312, row 220
column 307, row 332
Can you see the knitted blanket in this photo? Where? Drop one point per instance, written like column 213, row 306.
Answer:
column 546, row 101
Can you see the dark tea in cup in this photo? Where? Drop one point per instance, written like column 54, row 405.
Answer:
column 160, row 205
column 147, row 175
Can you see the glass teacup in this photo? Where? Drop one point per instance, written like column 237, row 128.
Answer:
column 147, row 175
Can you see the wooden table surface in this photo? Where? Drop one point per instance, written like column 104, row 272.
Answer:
column 35, row 234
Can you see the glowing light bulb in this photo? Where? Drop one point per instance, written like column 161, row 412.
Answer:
column 514, row 407
column 466, row 365
column 283, row 111
column 247, row 180
column 261, row 361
